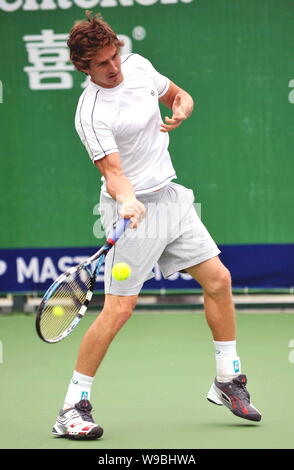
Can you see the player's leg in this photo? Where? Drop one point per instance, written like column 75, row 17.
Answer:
column 116, row 311
column 215, row 279
column 219, row 308
column 229, row 386
column 120, row 300
column 75, row 419
column 194, row 251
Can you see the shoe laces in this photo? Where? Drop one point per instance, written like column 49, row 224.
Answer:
column 241, row 382
column 84, row 408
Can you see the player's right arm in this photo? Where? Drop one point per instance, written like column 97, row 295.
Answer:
column 120, row 188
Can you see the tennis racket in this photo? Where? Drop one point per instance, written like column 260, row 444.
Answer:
column 65, row 302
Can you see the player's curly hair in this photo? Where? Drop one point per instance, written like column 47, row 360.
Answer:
column 86, row 36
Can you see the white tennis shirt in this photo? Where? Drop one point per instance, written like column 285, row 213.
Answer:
column 126, row 119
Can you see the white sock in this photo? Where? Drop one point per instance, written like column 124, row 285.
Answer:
column 228, row 364
column 79, row 389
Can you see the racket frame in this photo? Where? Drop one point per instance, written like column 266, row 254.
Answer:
column 99, row 256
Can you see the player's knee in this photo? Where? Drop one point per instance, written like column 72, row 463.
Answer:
column 220, row 285
column 119, row 318
column 118, row 310
column 125, row 313
column 126, row 306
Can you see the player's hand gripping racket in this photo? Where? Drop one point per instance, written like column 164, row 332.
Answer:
column 65, row 302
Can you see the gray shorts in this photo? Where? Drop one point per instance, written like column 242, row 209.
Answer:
column 171, row 235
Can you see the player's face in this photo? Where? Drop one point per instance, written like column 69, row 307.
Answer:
column 105, row 67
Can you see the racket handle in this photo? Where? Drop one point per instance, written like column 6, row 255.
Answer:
column 118, row 231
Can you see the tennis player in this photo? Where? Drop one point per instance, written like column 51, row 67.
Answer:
column 118, row 120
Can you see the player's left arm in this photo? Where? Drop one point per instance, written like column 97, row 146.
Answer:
column 181, row 104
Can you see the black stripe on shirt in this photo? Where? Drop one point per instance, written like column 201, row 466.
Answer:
column 165, row 86
column 97, row 156
column 92, row 123
column 134, row 53
column 80, row 116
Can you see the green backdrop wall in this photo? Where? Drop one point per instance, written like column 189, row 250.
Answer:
column 235, row 57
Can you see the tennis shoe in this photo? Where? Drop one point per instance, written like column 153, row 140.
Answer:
column 77, row 423
column 234, row 396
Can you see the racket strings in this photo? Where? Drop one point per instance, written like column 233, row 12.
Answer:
column 64, row 305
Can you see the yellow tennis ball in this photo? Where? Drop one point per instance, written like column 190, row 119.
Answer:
column 121, row 271
column 58, row 311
